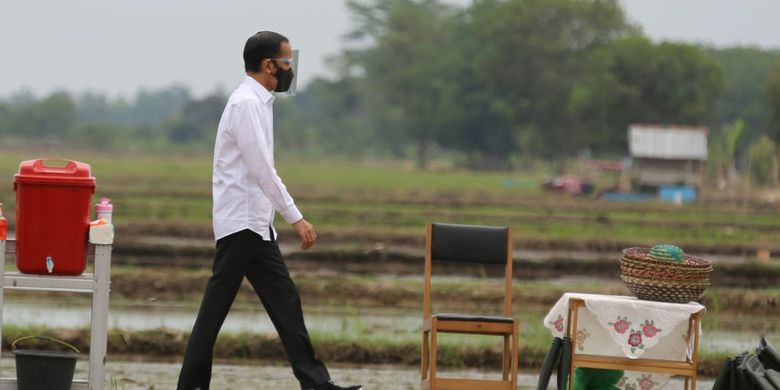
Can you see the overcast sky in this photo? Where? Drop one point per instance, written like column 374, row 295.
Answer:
column 118, row 47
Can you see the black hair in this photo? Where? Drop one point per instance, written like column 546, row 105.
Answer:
column 263, row 45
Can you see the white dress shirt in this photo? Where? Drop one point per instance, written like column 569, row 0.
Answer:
column 245, row 186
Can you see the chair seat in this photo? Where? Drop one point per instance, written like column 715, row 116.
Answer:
column 466, row 317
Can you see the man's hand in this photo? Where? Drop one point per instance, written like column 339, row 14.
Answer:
column 306, row 232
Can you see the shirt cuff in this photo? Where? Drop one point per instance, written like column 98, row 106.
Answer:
column 291, row 215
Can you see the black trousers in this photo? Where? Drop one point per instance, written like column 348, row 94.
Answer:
column 239, row 255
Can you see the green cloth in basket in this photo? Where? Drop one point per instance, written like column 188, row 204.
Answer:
column 667, row 252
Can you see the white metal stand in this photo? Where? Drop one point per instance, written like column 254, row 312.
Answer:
column 96, row 283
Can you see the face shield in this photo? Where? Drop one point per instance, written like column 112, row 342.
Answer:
column 287, row 78
column 294, row 66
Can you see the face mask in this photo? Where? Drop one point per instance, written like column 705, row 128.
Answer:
column 284, row 78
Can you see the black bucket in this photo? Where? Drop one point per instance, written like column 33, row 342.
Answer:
column 50, row 370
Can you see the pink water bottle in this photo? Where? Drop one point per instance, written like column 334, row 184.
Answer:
column 104, row 209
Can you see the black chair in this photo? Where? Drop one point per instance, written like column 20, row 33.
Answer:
column 475, row 244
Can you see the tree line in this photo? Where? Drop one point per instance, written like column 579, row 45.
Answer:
column 497, row 84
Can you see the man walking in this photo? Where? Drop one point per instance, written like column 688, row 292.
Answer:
column 246, row 191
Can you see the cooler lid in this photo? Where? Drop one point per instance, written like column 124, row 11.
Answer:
column 55, row 172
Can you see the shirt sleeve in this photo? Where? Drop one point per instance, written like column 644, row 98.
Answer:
column 251, row 140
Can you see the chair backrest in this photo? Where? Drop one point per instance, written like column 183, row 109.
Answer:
column 468, row 243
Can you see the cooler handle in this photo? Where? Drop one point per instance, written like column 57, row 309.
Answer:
column 13, row 345
column 39, row 166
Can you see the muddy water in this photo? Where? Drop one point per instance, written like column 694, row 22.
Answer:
column 240, row 319
column 344, row 322
column 262, row 375
column 123, row 375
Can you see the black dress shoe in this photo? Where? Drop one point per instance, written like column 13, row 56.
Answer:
column 333, row 386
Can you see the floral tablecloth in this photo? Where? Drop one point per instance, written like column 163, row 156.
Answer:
column 626, row 326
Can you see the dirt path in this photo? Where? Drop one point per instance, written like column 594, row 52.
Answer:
column 128, row 375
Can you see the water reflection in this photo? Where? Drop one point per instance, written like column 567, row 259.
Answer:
column 240, row 319
column 345, row 322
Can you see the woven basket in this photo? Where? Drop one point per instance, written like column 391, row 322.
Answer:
column 664, row 274
column 664, row 291
column 664, row 281
column 664, row 267
column 643, row 255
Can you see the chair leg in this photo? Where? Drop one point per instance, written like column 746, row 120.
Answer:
column 506, row 360
column 515, row 355
column 425, row 355
column 434, row 346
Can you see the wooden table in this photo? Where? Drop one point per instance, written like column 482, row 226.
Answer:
column 649, row 337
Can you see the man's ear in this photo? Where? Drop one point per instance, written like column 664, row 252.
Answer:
column 265, row 65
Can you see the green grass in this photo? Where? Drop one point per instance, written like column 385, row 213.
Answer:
column 319, row 174
column 394, row 198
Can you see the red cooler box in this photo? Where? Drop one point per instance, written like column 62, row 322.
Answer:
column 53, row 204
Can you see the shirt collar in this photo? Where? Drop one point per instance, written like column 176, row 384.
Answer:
column 264, row 95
